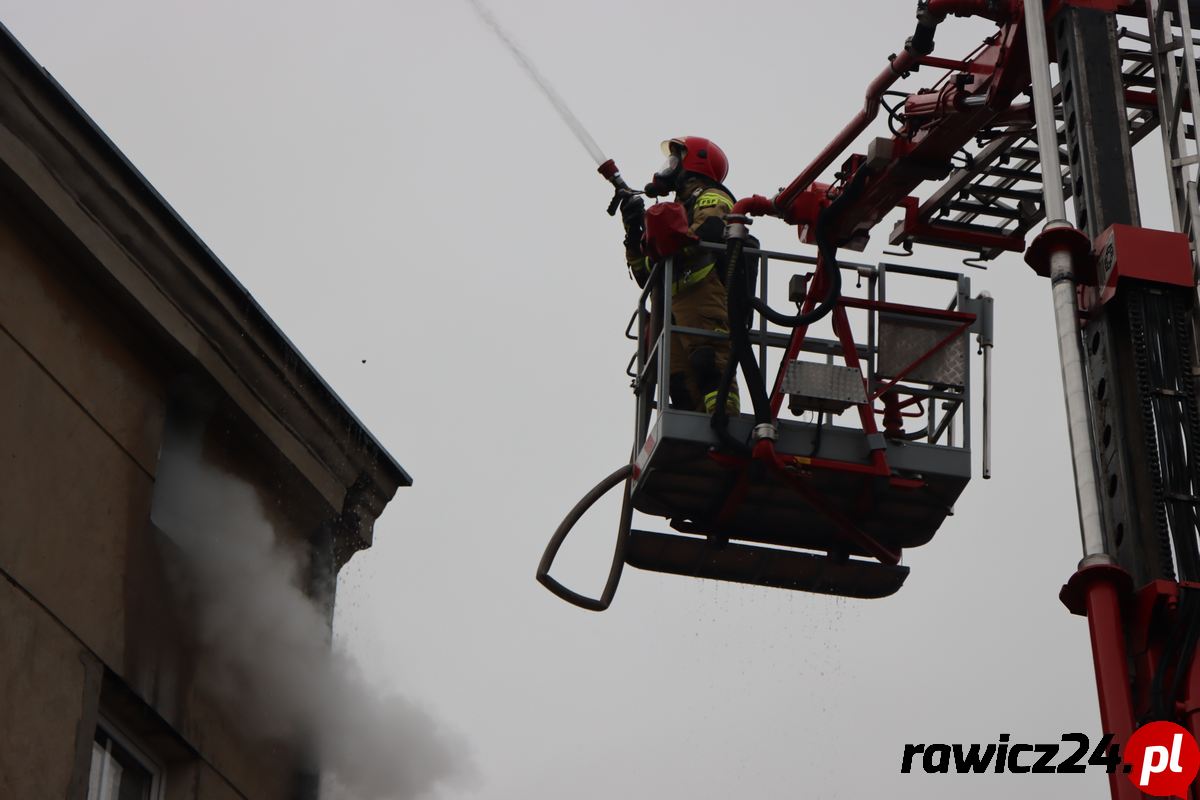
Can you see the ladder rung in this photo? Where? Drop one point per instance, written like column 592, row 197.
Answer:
column 1137, row 36
column 983, row 209
column 1060, row 132
column 1030, row 154
column 971, row 227
column 984, row 191
column 1145, row 81
column 1014, row 174
column 1002, row 133
column 1024, row 153
column 1138, row 56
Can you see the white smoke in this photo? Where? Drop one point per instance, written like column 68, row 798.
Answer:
column 265, row 646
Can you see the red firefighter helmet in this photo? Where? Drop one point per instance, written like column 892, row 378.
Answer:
column 699, row 155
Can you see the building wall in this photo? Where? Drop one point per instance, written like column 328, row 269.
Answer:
column 45, row 680
column 83, row 591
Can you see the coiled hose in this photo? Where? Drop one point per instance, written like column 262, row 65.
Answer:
column 621, row 475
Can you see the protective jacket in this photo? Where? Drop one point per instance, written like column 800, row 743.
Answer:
column 706, row 205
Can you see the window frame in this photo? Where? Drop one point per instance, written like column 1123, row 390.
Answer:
column 151, row 765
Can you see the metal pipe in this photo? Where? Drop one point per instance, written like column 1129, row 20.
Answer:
column 1043, row 113
column 1189, row 55
column 987, row 411
column 1087, row 485
column 755, row 205
column 763, row 261
column 667, row 293
column 986, row 340
column 1062, row 280
column 902, row 63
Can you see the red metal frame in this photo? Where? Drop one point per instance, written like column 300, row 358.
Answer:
column 866, row 414
column 939, row 124
column 1125, row 630
column 816, row 289
column 765, row 451
column 790, row 468
column 785, row 467
column 841, row 327
column 915, row 227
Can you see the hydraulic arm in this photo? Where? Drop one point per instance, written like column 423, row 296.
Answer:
column 1124, row 296
column 1002, row 150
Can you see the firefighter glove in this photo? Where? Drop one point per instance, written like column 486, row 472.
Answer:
column 633, row 212
column 633, row 215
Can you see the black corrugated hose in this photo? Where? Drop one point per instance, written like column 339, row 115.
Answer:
column 740, row 301
column 828, row 251
column 741, row 351
column 619, row 476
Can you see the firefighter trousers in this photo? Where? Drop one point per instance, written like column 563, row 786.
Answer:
column 697, row 362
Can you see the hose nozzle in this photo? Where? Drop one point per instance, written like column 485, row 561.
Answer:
column 609, row 170
column 613, row 175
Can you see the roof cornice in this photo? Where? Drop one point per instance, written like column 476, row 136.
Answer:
column 59, row 163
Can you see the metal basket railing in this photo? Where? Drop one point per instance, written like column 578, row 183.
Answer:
column 918, row 355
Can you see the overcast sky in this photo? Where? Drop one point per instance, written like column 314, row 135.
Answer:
column 392, row 189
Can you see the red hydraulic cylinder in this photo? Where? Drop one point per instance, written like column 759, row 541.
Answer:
column 1189, row 711
column 1112, row 675
column 1096, row 590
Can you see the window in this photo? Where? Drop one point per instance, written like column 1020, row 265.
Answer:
column 116, row 773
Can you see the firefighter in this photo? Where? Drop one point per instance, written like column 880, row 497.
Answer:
column 694, row 171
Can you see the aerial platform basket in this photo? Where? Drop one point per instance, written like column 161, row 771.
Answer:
column 868, row 459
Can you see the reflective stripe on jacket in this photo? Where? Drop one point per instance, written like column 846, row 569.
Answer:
column 693, row 263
